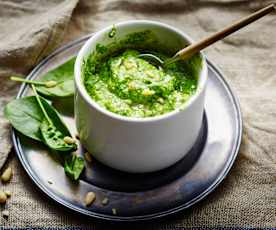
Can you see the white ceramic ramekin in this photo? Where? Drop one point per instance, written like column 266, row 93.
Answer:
column 137, row 144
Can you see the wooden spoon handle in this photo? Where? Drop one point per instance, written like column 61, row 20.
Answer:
column 196, row 47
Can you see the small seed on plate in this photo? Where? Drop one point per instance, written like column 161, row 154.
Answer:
column 105, row 201
column 8, row 193
column 50, row 182
column 77, row 136
column 89, row 198
column 6, row 213
column 69, row 140
column 3, row 197
column 50, row 84
column 88, row 157
column 114, row 211
column 6, row 175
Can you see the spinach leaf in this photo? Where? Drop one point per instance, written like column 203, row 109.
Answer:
column 53, row 131
column 54, row 138
column 73, row 166
column 25, row 116
column 64, row 76
column 34, row 117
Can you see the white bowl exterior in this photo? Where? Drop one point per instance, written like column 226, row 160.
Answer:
column 142, row 144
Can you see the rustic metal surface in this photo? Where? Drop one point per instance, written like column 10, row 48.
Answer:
column 145, row 196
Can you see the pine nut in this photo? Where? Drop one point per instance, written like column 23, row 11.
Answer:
column 69, row 140
column 8, row 193
column 3, row 197
column 6, row 175
column 89, row 198
column 114, row 211
column 50, row 84
column 6, row 213
column 105, row 201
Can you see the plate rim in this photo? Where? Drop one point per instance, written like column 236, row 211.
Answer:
column 171, row 211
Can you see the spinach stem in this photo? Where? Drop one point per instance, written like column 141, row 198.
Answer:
column 40, row 105
column 27, row 81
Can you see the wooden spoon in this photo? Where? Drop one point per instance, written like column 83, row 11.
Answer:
column 192, row 49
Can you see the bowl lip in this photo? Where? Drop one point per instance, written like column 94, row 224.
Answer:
column 79, row 86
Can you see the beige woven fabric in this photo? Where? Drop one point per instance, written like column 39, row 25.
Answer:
column 247, row 197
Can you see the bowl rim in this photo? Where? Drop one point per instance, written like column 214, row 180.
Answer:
column 79, row 86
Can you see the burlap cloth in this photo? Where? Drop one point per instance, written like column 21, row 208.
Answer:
column 29, row 30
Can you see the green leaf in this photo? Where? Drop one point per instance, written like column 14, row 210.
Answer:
column 25, row 116
column 64, row 75
column 34, row 117
column 73, row 166
column 53, row 130
column 54, row 138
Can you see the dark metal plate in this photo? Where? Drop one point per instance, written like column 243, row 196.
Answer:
column 143, row 196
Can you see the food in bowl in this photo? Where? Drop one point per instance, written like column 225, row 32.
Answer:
column 153, row 136
column 126, row 84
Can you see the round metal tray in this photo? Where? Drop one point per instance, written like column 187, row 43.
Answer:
column 139, row 196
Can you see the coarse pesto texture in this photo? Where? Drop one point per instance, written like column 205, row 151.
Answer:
column 130, row 86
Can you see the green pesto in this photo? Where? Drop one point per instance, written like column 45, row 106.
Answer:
column 112, row 32
column 121, row 82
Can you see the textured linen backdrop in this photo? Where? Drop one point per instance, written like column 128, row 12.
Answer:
column 29, row 30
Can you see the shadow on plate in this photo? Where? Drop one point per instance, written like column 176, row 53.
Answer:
column 105, row 177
